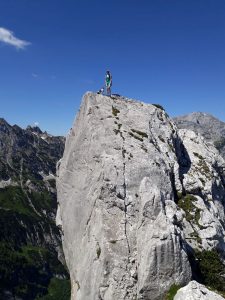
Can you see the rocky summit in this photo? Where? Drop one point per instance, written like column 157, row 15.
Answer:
column 140, row 203
column 30, row 243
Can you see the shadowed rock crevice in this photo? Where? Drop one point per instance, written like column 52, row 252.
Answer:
column 182, row 158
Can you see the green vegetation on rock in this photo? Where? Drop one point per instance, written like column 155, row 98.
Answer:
column 115, row 111
column 172, row 292
column 197, row 155
column 212, row 269
column 141, row 133
column 204, row 169
column 192, row 212
column 58, row 289
column 136, row 136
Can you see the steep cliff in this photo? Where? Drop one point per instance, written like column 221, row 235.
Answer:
column 138, row 201
column 30, row 242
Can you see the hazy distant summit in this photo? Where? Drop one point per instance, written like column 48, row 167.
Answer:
column 207, row 125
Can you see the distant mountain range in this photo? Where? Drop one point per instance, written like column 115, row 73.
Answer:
column 30, row 242
column 212, row 129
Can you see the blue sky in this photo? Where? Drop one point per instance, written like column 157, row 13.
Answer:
column 170, row 52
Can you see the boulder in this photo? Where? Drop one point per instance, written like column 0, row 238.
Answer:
column 196, row 291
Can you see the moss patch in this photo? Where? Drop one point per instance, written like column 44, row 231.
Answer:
column 141, row 133
column 202, row 166
column 115, row 111
column 191, row 211
column 136, row 136
column 197, row 155
column 172, row 292
column 194, row 235
column 204, row 169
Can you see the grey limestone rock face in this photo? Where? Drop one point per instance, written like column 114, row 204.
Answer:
column 204, row 181
column 212, row 129
column 117, row 183
column 196, row 291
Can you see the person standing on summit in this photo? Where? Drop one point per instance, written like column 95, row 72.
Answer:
column 108, row 83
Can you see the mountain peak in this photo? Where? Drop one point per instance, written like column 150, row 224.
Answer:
column 3, row 122
column 211, row 128
column 34, row 129
column 198, row 117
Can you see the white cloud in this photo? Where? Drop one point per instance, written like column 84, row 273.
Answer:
column 8, row 37
column 36, row 124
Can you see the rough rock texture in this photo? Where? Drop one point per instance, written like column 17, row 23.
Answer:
column 136, row 197
column 212, row 129
column 116, row 202
column 196, row 291
column 203, row 179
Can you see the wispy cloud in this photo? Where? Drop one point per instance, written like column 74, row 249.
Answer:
column 34, row 75
column 8, row 37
